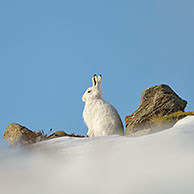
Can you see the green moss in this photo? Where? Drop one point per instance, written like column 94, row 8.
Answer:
column 170, row 119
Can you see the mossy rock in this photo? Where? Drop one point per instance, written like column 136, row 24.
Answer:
column 160, row 123
column 168, row 121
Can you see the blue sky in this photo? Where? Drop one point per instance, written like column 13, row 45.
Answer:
column 49, row 51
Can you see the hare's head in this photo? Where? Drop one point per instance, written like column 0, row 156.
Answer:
column 95, row 91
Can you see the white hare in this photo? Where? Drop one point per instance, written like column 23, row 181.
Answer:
column 101, row 118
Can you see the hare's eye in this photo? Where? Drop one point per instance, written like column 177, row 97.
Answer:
column 89, row 91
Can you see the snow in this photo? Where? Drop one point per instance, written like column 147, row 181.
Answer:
column 155, row 164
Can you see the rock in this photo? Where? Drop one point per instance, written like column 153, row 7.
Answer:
column 156, row 101
column 16, row 134
column 61, row 134
column 57, row 134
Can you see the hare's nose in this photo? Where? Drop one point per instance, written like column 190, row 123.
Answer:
column 83, row 99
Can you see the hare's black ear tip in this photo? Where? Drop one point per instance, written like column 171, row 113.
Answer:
column 94, row 75
column 100, row 75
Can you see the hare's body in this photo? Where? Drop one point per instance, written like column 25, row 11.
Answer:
column 101, row 118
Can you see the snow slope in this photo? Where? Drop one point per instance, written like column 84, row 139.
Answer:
column 160, row 163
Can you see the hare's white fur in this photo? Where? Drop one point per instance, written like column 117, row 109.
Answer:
column 101, row 118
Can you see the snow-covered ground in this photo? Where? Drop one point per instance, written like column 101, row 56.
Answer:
column 161, row 163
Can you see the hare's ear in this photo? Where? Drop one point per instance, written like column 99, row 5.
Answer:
column 94, row 80
column 99, row 79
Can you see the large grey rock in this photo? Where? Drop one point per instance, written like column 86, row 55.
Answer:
column 156, row 101
column 16, row 134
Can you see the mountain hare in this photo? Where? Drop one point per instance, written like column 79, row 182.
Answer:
column 100, row 117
